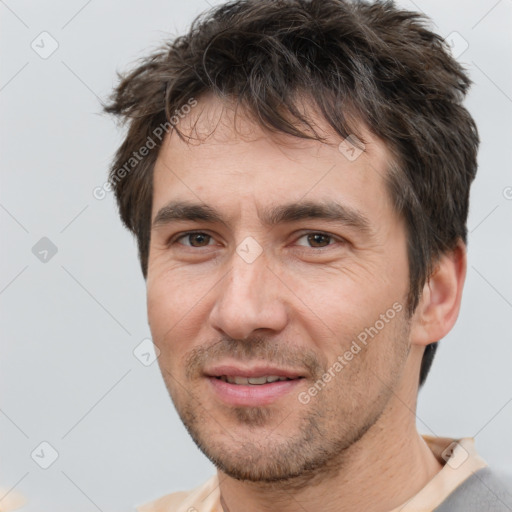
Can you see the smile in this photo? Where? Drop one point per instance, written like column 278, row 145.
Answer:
column 255, row 381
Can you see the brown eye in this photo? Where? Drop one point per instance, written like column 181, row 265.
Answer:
column 318, row 240
column 195, row 239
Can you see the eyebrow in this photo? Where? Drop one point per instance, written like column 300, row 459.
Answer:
column 179, row 211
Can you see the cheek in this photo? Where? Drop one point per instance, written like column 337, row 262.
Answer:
column 340, row 301
column 363, row 374
column 166, row 308
column 354, row 325
column 176, row 301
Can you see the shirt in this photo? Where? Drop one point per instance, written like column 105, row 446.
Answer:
column 10, row 500
column 458, row 456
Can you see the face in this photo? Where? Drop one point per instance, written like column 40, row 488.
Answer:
column 276, row 291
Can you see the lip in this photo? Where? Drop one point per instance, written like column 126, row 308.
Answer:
column 250, row 395
column 255, row 371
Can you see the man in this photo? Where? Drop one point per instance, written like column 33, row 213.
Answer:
column 297, row 175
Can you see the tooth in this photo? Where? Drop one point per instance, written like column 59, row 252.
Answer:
column 257, row 380
column 251, row 380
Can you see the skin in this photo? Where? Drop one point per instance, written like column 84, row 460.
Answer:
column 300, row 304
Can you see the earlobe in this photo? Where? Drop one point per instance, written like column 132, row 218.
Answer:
column 440, row 300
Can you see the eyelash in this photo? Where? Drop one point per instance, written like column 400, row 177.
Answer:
column 175, row 239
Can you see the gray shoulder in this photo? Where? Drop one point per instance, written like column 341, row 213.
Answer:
column 485, row 490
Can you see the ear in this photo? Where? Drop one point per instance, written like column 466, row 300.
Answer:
column 439, row 303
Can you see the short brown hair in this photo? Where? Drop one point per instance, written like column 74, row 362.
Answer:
column 381, row 63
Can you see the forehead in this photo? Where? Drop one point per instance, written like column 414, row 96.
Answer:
column 227, row 157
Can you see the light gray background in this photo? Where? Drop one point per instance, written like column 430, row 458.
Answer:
column 69, row 326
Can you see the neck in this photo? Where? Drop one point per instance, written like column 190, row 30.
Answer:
column 382, row 470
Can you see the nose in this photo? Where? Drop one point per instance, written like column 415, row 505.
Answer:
column 250, row 297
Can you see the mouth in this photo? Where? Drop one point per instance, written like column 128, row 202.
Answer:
column 252, row 387
column 253, row 381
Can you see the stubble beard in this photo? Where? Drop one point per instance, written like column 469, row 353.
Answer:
column 311, row 451
column 314, row 448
